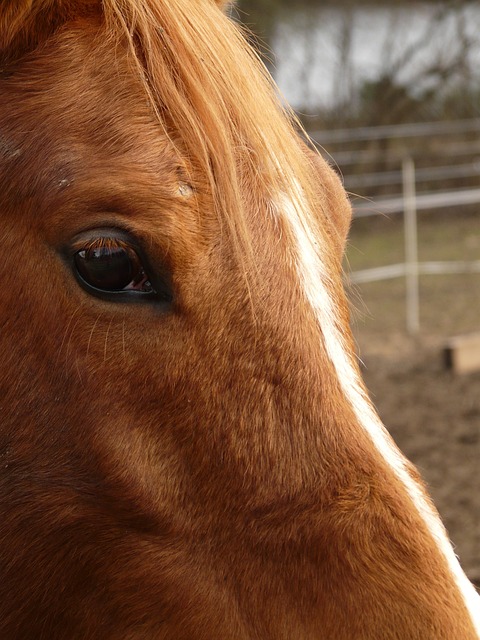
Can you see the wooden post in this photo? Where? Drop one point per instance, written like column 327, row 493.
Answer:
column 411, row 247
column 462, row 353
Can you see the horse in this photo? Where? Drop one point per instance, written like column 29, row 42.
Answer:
column 187, row 449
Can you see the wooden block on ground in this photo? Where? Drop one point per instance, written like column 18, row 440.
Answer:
column 462, row 353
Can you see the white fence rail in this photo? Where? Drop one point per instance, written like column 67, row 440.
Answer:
column 439, row 200
column 399, row 270
column 408, row 130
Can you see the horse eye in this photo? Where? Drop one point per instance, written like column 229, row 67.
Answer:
column 111, row 266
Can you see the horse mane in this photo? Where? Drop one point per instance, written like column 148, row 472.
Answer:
column 194, row 62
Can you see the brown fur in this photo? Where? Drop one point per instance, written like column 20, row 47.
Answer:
column 197, row 473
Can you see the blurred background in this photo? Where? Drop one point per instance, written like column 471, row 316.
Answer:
column 390, row 94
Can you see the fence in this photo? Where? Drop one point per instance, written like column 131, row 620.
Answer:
column 395, row 151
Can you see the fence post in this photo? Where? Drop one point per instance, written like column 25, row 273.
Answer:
column 411, row 247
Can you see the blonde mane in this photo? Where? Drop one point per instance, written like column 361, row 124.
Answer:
column 193, row 62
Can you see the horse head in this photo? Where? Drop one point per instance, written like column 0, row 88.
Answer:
column 187, row 449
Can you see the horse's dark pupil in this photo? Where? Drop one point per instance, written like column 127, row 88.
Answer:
column 106, row 268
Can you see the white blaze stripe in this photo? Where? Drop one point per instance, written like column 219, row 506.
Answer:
column 313, row 277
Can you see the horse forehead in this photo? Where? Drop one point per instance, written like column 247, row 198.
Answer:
column 64, row 116
column 76, row 85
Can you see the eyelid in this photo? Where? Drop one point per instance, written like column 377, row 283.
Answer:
column 102, row 237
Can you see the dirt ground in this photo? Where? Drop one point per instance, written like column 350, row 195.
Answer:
column 434, row 416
